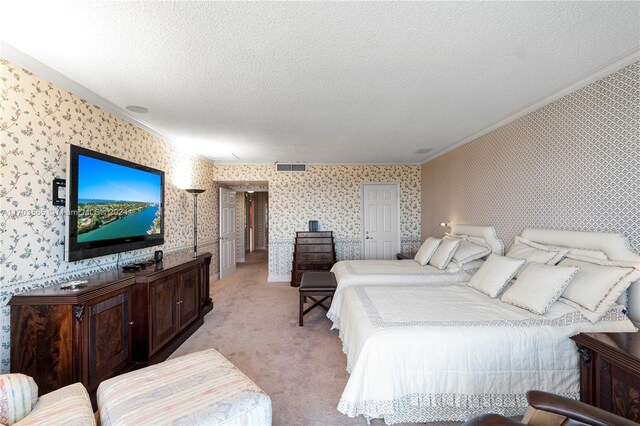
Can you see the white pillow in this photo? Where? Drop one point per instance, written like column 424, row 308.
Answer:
column 469, row 251
column 426, row 250
column 494, row 275
column 590, row 315
column 582, row 252
column 599, row 283
column 534, row 252
column 539, row 286
column 444, row 253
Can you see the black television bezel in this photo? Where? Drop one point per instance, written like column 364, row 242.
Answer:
column 78, row 251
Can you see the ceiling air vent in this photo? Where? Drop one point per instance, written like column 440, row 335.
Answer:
column 291, row 167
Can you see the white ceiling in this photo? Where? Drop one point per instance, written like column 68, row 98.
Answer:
column 358, row 82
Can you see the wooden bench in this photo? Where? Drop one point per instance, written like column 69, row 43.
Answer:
column 316, row 283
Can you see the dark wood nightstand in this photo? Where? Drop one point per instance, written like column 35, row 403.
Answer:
column 401, row 256
column 610, row 372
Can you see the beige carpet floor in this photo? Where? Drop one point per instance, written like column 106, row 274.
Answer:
column 255, row 325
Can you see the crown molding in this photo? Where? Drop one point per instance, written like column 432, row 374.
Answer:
column 311, row 163
column 43, row 71
column 46, row 72
column 604, row 71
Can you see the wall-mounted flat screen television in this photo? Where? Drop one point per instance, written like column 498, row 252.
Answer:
column 113, row 205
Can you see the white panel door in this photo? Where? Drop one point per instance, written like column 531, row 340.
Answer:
column 227, row 232
column 381, row 221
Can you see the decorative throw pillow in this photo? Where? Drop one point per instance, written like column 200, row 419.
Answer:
column 494, row 274
column 539, row 286
column 444, row 253
column 534, row 252
column 18, row 396
column 427, row 249
column 468, row 251
column 590, row 253
column 598, row 283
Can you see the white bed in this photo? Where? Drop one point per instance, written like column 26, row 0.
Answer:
column 353, row 273
column 457, row 353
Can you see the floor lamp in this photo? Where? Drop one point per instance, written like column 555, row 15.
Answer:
column 195, row 193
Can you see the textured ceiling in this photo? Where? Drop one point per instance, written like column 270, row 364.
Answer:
column 321, row 82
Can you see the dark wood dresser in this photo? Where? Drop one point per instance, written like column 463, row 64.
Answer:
column 610, row 372
column 313, row 251
column 116, row 322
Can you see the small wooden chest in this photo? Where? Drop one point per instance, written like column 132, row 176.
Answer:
column 313, row 251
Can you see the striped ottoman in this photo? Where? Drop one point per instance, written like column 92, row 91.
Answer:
column 202, row 388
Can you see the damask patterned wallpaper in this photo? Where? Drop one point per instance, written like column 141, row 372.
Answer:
column 37, row 123
column 330, row 195
column 573, row 164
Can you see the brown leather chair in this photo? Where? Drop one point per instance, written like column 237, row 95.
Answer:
column 547, row 409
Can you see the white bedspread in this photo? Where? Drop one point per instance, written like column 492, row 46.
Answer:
column 352, row 273
column 421, row 353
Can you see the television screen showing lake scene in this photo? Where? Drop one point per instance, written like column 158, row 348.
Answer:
column 116, row 201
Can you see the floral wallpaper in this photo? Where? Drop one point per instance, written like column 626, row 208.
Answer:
column 38, row 121
column 332, row 196
column 573, row 164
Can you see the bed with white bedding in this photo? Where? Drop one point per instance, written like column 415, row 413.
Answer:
column 353, row 273
column 425, row 353
column 356, row 273
column 455, row 354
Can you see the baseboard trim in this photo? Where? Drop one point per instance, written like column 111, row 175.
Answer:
column 279, row 278
column 214, row 277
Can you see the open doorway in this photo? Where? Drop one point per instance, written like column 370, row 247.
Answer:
column 256, row 221
column 251, row 222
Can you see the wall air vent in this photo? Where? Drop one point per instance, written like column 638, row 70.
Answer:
column 291, row 167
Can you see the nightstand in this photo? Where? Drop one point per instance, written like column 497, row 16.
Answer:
column 610, row 372
column 401, row 256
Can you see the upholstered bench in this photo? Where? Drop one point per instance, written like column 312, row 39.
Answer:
column 202, row 388
column 315, row 283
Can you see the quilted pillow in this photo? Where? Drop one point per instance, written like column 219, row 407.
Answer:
column 444, row 253
column 599, row 283
column 18, row 396
column 539, row 286
column 427, row 249
column 494, row 274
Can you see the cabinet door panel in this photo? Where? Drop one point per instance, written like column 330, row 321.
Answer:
column 44, row 352
column 164, row 312
column 189, row 300
column 109, row 336
column 619, row 390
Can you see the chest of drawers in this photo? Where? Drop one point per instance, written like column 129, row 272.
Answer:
column 313, row 251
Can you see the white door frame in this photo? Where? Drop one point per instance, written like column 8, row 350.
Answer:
column 232, row 260
column 362, row 185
